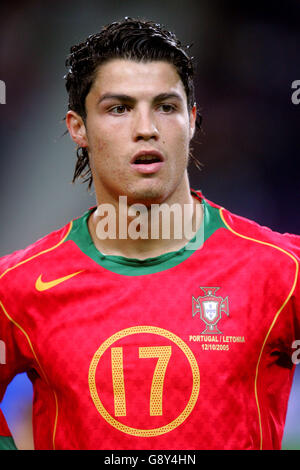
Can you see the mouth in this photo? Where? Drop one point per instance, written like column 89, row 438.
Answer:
column 146, row 159
column 147, row 162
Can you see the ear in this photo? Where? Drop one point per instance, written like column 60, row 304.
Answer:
column 193, row 117
column 76, row 128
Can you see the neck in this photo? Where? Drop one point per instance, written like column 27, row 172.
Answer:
column 144, row 231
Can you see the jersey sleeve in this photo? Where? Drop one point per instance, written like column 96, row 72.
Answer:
column 11, row 363
column 294, row 250
column 296, row 297
column 12, row 358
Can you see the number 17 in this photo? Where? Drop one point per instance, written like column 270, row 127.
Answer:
column 163, row 353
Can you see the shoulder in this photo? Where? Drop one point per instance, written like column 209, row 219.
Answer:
column 43, row 245
column 252, row 231
column 247, row 229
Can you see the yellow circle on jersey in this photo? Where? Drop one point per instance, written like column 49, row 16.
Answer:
column 195, row 389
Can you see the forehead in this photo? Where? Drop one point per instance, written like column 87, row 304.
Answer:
column 134, row 78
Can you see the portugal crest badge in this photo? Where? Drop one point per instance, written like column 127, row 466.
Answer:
column 210, row 308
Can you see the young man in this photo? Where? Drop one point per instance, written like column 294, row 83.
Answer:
column 134, row 339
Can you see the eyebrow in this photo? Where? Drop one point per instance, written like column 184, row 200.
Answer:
column 167, row 96
column 129, row 99
column 119, row 97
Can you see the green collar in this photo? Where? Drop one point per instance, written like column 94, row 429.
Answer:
column 136, row 267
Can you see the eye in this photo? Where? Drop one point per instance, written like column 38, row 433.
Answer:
column 167, row 108
column 118, row 109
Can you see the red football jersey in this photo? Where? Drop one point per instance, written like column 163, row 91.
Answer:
column 188, row 350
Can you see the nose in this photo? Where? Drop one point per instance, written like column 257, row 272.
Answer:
column 144, row 126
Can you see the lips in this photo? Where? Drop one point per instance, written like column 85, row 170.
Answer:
column 147, row 161
column 147, row 157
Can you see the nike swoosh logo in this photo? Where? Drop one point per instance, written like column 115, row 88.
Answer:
column 42, row 285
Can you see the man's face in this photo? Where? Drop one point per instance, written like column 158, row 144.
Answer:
column 137, row 131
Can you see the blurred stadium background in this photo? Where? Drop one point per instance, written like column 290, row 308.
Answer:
column 247, row 58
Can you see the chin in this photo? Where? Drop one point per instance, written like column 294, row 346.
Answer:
column 147, row 196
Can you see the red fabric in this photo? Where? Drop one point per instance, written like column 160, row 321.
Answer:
column 4, row 430
column 101, row 340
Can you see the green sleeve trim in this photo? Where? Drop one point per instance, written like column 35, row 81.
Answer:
column 7, row 443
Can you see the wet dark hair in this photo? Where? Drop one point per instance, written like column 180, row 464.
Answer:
column 133, row 39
